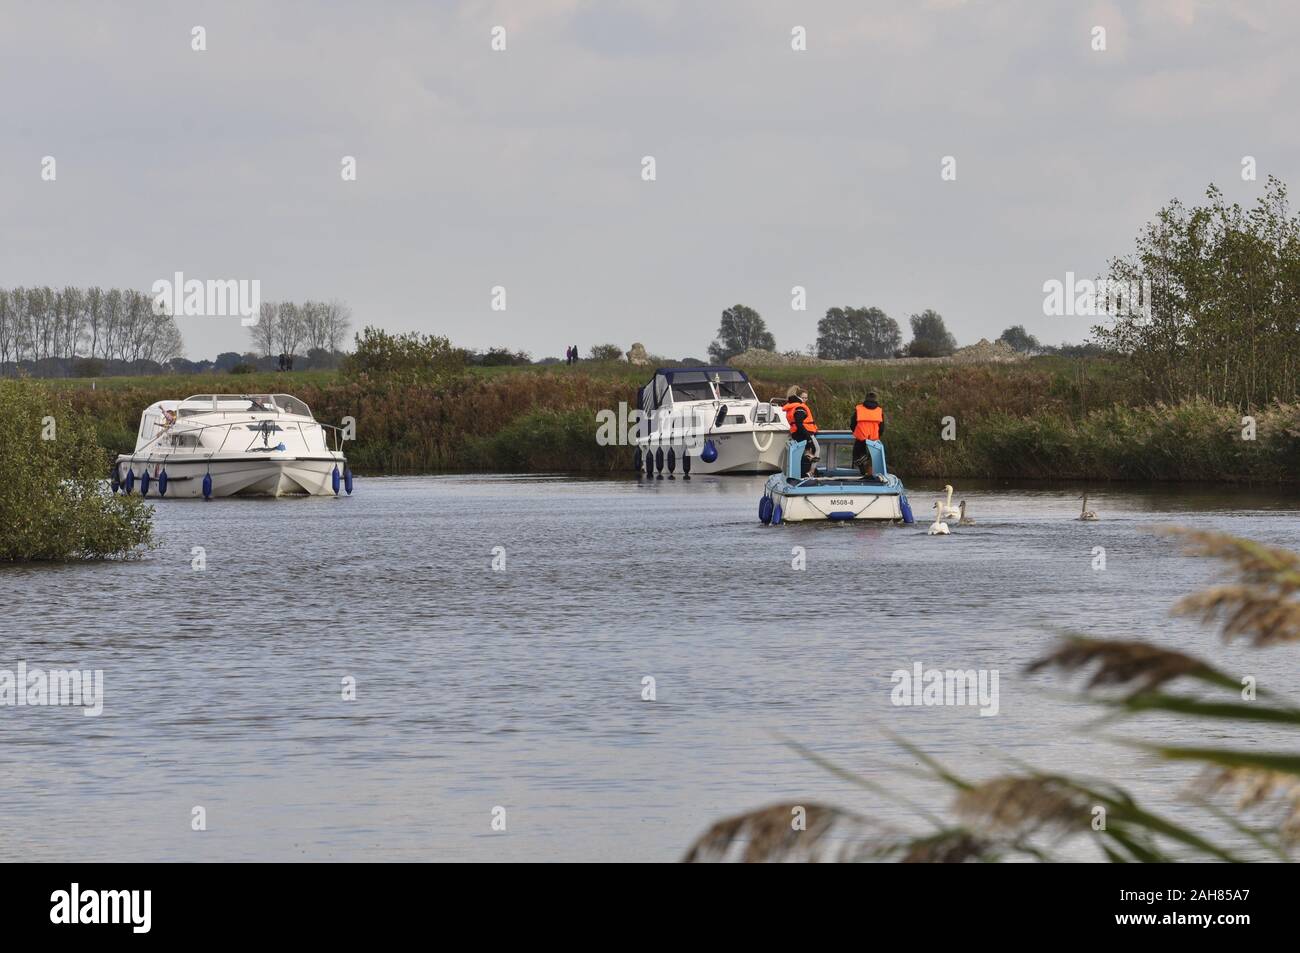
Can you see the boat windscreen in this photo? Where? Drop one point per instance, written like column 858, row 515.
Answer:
column 691, row 385
column 733, row 386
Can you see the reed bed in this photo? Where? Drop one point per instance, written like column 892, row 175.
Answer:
column 1041, row 419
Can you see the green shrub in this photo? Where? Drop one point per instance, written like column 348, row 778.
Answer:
column 409, row 356
column 54, row 501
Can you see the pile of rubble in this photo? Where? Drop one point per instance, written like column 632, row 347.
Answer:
column 983, row 352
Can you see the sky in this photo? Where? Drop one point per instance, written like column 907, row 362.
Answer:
column 523, row 168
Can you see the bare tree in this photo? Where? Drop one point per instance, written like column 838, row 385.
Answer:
column 94, row 318
column 114, row 319
column 14, row 334
column 7, row 335
column 38, row 332
column 71, row 312
column 264, row 333
column 289, row 331
column 164, row 341
column 338, row 321
column 139, row 312
column 313, row 324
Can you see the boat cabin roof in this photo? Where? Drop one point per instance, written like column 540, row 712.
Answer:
column 688, row 384
column 734, row 373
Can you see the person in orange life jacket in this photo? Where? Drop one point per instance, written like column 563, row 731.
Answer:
column 802, row 425
column 867, row 423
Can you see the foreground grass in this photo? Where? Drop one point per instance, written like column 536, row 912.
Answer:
column 1048, row 418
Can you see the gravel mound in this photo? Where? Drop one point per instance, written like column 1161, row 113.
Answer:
column 982, row 352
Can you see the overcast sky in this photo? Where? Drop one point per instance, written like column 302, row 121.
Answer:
column 522, row 168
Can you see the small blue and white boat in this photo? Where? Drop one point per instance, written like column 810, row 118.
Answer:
column 834, row 489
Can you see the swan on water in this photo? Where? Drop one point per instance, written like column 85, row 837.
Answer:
column 938, row 527
column 948, row 511
column 1086, row 514
column 964, row 520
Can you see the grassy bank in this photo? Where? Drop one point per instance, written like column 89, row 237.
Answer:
column 1041, row 419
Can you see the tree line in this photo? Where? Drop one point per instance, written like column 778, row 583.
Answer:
column 843, row 334
column 47, row 329
column 312, row 328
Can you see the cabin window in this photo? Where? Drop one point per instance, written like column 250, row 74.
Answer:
column 691, row 385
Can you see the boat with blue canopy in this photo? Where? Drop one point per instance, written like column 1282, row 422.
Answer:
column 834, row 489
column 708, row 418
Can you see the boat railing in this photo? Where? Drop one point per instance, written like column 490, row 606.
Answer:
column 229, row 427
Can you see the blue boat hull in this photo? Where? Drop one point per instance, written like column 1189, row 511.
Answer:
column 834, row 493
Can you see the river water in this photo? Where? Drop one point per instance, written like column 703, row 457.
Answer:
column 521, row 687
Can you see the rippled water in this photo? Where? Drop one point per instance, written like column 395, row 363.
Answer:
column 522, row 688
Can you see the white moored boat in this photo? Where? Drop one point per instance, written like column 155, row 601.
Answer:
column 231, row 445
column 710, row 417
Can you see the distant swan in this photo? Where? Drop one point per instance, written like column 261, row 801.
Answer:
column 938, row 527
column 965, row 520
column 1086, row 513
column 948, row 511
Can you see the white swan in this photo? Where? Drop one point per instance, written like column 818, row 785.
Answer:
column 938, row 527
column 1086, row 514
column 948, row 511
column 964, row 520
